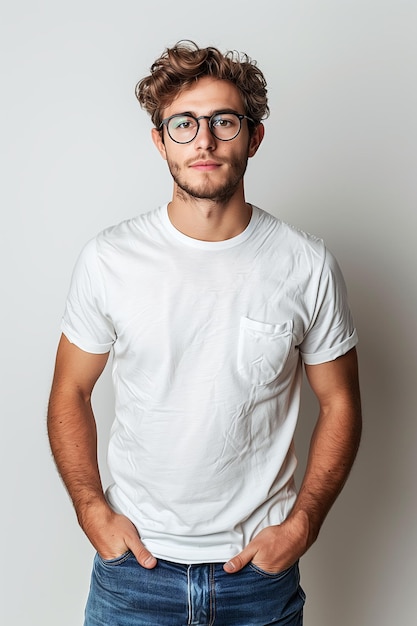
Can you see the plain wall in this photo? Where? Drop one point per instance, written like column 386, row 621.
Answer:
column 338, row 160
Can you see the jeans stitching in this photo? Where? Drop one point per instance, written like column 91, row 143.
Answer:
column 212, row 595
column 115, row 562
column 265, row 574
column 190, row 616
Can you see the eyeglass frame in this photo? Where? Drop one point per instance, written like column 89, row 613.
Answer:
column 240, row 116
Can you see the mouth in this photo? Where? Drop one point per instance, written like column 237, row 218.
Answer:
column 205, row 166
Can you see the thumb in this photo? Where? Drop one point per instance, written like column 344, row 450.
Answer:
column 239, row 561
column 143, row 556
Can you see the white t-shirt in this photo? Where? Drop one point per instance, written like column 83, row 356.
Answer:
column 208, row 340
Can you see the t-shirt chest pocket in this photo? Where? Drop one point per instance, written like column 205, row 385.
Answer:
column 263, row 350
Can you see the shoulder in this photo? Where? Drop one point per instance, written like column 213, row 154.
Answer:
column 127, row 233
column 291, row 240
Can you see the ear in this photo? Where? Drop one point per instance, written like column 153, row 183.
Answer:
column 157, row 139
column 256, row 139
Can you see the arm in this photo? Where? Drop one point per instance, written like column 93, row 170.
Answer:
column 73, row 438
column 333, row 448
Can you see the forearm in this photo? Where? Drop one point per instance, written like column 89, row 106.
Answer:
column 333, row 449
column 73, row 439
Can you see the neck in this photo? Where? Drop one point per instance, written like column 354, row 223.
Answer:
column 209, row 220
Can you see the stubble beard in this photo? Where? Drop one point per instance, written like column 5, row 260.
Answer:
column 206, row 190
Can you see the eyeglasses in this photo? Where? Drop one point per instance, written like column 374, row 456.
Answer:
column 183, row 127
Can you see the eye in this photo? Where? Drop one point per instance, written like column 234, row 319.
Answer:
column 182, row 123
column 225, row 120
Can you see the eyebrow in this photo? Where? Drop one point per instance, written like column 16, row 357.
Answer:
column 210, row 114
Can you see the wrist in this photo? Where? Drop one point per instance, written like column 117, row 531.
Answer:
column 303, row 526
column 91, row 509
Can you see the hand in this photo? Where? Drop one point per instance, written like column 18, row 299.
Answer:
column 113, row 534
column 275, row 548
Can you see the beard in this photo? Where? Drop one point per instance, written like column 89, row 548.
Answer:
column 206, row 189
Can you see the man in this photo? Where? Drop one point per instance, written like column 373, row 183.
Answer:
column 211, row 307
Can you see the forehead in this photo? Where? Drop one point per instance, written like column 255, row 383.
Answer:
column 206, row 96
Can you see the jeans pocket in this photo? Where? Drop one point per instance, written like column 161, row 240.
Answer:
column 118, row 560
column 276, row 575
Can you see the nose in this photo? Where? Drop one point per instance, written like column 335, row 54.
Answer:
column 205, row 139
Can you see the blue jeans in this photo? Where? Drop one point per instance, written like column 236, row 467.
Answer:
column 123, row 593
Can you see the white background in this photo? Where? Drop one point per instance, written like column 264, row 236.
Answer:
column 338, row 160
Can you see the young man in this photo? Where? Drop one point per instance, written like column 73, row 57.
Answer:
column 211, row 308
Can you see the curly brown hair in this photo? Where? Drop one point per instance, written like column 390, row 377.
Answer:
column 183, row 64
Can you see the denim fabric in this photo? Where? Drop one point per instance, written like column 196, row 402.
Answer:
column 123, row 593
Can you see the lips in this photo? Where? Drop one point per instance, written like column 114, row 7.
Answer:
column 205, row 166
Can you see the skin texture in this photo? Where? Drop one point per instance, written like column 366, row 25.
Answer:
column 208, row 203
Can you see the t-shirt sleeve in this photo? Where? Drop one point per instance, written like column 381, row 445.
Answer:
column 332, row 332
column 84, row 322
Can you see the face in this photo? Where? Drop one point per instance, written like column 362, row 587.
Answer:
column 208, row 168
